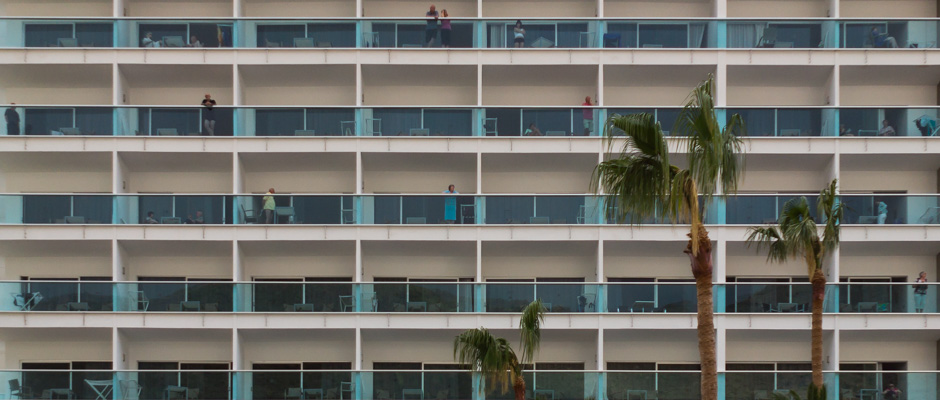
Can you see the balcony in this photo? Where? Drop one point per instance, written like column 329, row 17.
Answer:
column 430, row 296
column 437, row 209
column 450, row 121
column 299, row 33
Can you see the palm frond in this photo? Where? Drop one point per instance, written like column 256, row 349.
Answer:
column 638, row 178
column 800, row 231
column 530, row 330
column 713, row 151
column 769, row 237
column 830, row 207
column 490, row 355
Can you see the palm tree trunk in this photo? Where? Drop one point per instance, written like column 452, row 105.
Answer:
column 819, row 294
column 702, row 270
column 519, row 387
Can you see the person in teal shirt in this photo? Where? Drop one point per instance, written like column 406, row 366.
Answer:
column 268, row 201
column 450, row 205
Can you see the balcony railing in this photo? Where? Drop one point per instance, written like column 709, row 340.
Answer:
column 272, row 296
column 345, row 33
column 447, row 121
column 678, row 383
column 424, row 209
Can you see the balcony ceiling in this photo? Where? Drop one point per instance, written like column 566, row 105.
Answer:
column 55, row 76
column 890, row 75
column 55, row 248
column 656, row 75
column 286, row 162
column 172, row 248
column 890, row 162
column 294, row 76
column 188, row 76
column 177, row 162
column 55, row 162
column 419, row 75
column 795, row 76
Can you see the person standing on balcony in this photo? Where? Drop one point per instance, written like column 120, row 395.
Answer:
column 430, row 32
column 518, row 35
column 892, row 393
column 920, row 293
column 268, row 201
column 13, row 120
column 882, row 212
column 450, row 205
column 588, row 116
column 445, row 29
column 208, row 115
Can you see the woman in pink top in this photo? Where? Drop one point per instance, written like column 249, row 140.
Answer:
column 445, row 29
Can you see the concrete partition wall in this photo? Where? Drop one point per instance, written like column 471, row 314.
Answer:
column 779, row 85
column 151, row 84
column 296, row 346
column 898, row 9
column 671, row 8
column 297, row 259
column 785, row 174
column 773, row 9
column 569, row 259
column 298, row 8
column 423, row 260
column 410, row 172
column 44, row 259
column 54, row 345
column 178, row 172
column 309, row 85
column 56, row 8
column 869, row 85
column 416, row 8
column 69, row 84
column 548, row 9
column 177, row 8
column 81, row 172
column 655, row 259
column 416, row 85
column 299, row 172
column 537, row 173
column 173, row 345
column 538, row 85
column 651, row 85
column 205, row 260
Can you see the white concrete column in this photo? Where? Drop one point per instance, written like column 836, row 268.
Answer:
column 601, row 364
column 237, row 8
column 117, row 86
column 600, row 9
column 119, row 182
column 834, row 8
column 358, row 277
column 238, row 174
column 599, row 95
column 601, row 276
column 720, row 262
column 237, row 91
column 479, row 8
column 479, row 259
column 360, row 184
column 359, row 10
column 238, row 363
column 834, row 86
column 721, row 348
column 479, row 84
column 358, row 364
column 721, row 82
column 118, row 353
column 479, row 188
column 238, row 270
column 359, row 94
column 118, row 271
column 119, row 8
column 831, row 350
column 721, row 8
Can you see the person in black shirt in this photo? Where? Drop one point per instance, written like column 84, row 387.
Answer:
column 208, row 115
column 13, row 120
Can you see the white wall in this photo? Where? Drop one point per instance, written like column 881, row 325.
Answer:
column 539, row 259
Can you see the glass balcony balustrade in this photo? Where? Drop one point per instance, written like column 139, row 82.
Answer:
column 624, row 381
column 428, row 209
column 340, row 33
column 548, row 122
column 428, row 296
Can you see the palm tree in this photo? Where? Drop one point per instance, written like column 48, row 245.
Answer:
column 641, row 181
column 796, row 236
column 493, row 356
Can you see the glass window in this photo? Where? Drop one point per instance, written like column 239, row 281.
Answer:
column 569, row 35
column 548, row 120
column 448, row 122
column 398, row 121
column 759, row 122
column 47, row 35
column 621, row 35
column 797, row 35
column 507, row 122
column 278, row 122
column 94, row 34
column 333, row 34
column 184, row 121
column 664, row 35
column 279, row 35
column 329, row 121
column 94, row 121
column 46, row 209
column 43, row 121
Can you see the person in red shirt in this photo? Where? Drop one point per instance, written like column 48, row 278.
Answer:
column 588, row 116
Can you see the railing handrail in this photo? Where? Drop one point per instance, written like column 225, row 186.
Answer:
column 418, row 18
column 691, row 283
